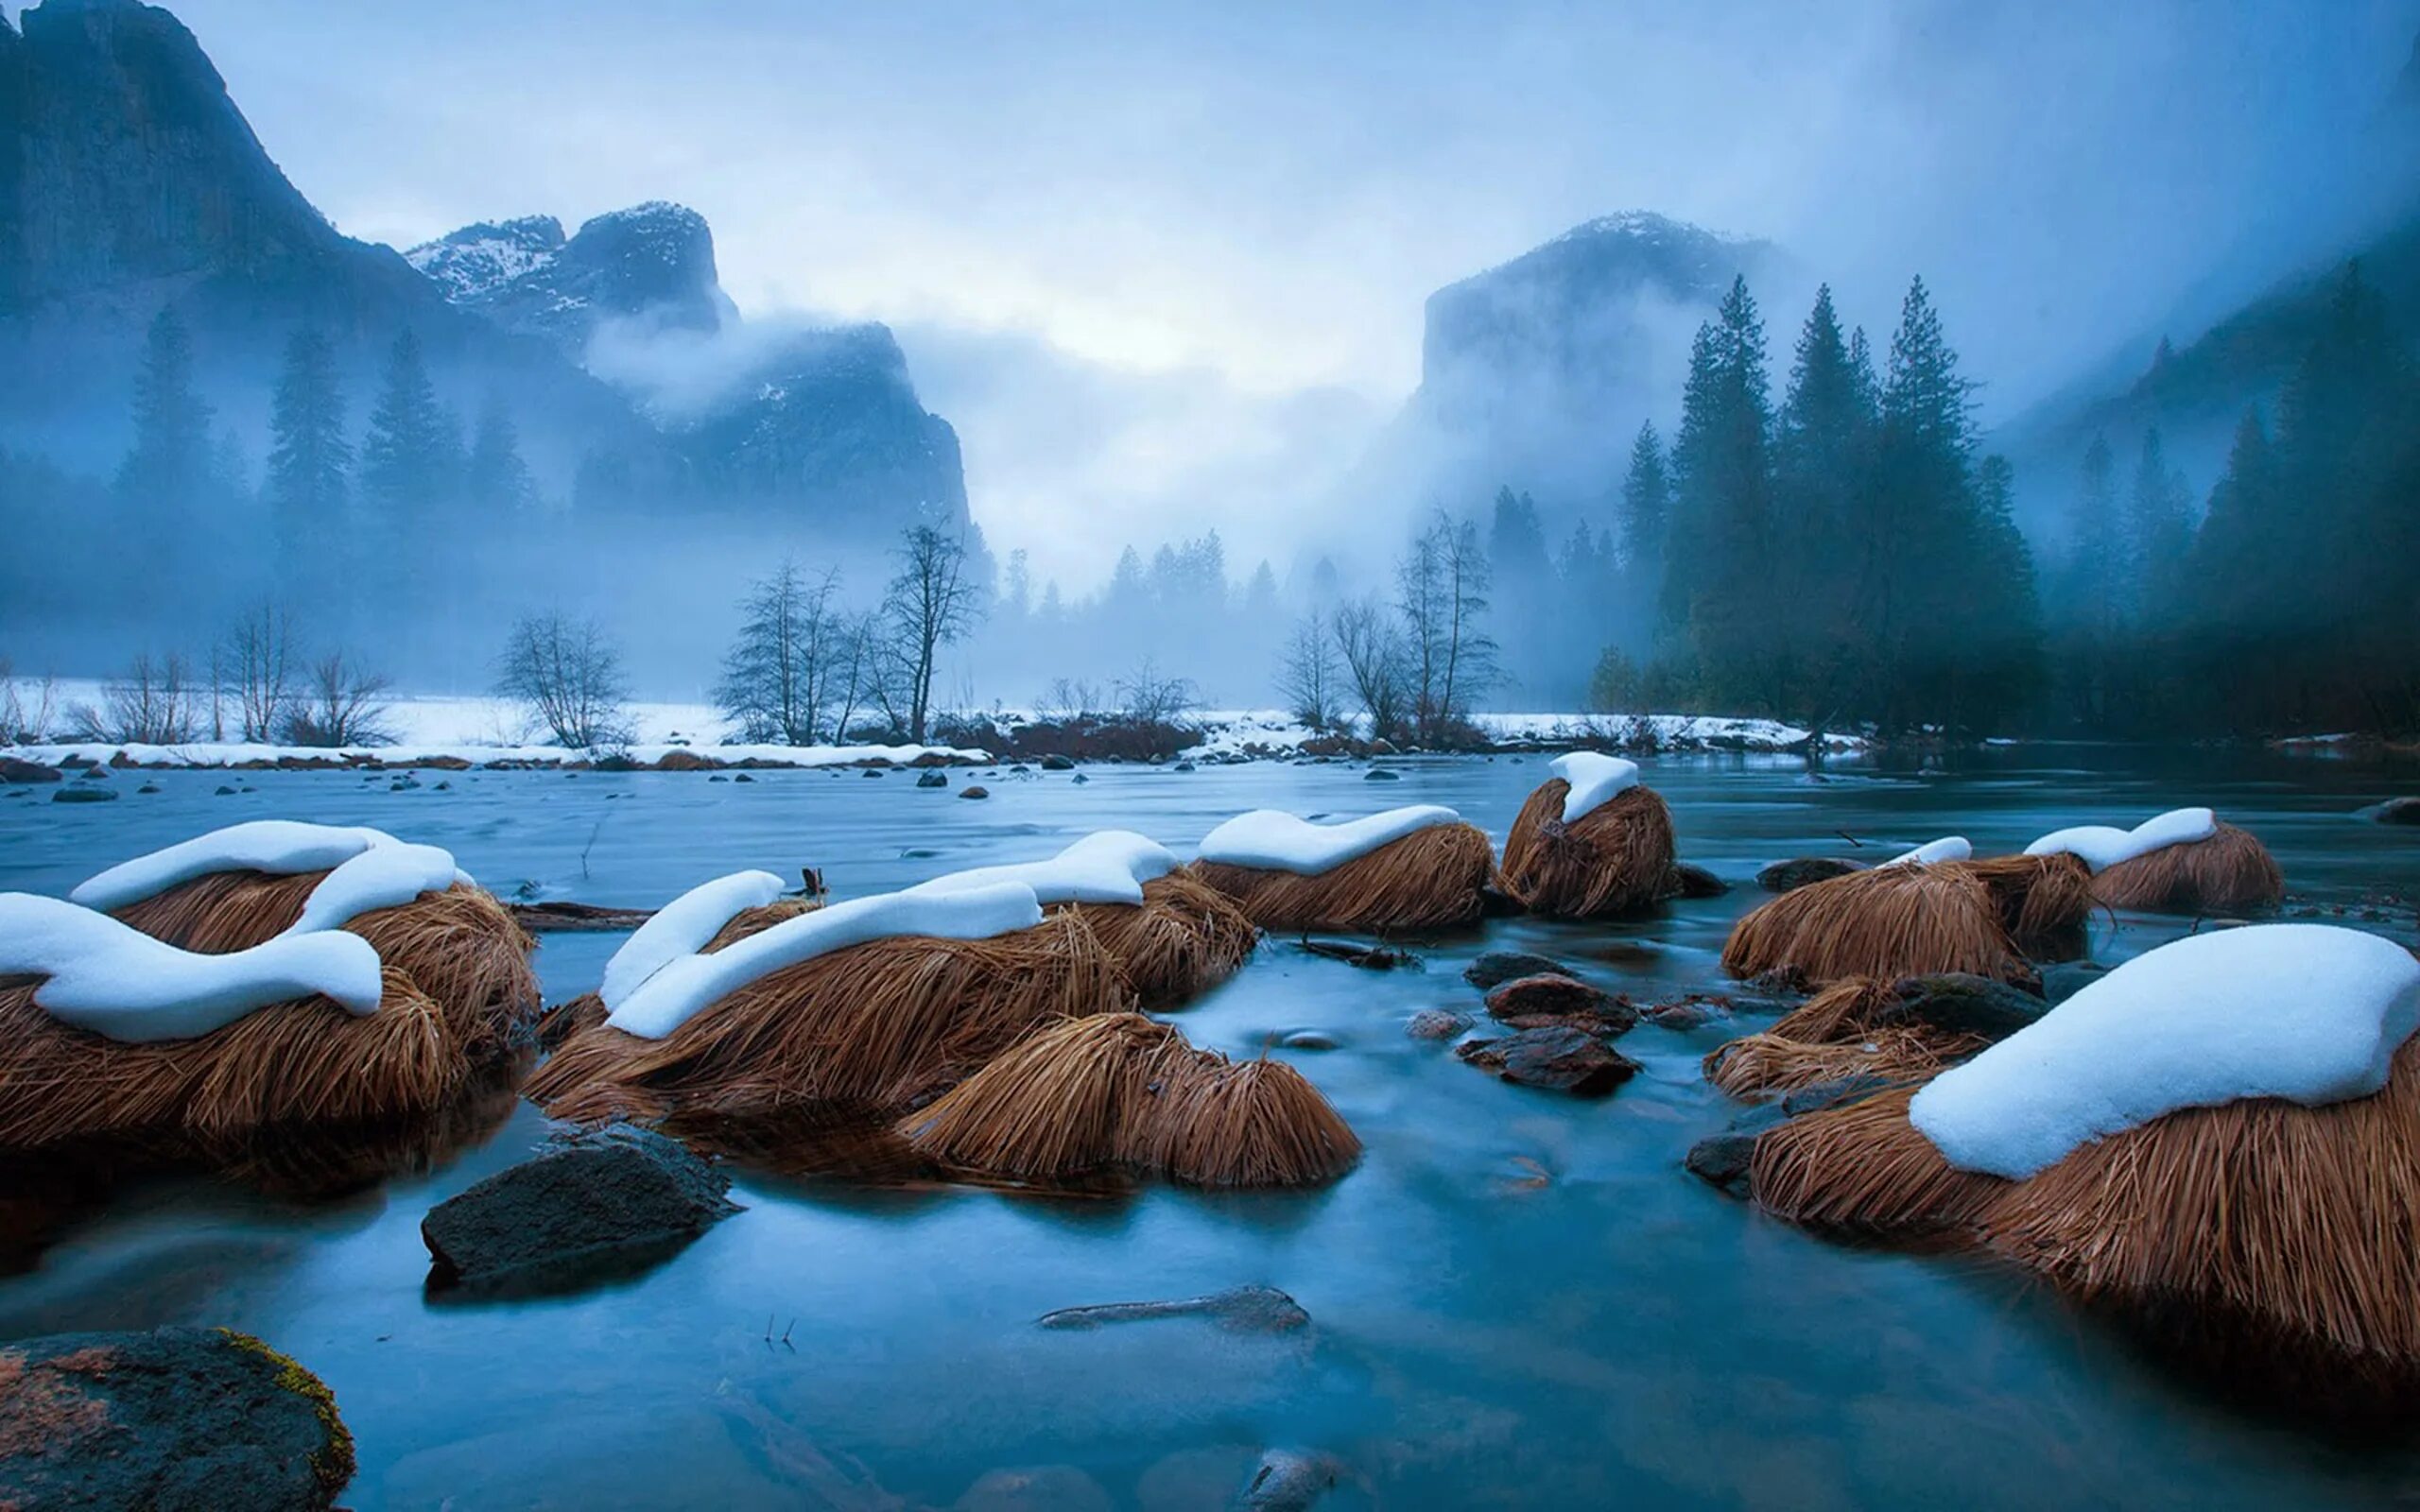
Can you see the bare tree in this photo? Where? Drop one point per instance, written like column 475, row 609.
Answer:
column 1373, row 652
column 1148, row 696
column 256, row 664
column 151, row 703
column 27, row 712
column 339, row 703
column 858, row 668
column 1440, row 594
column 1068, row 700
column 930, row 604
column 1309, row 677
column 777, row 678
column 566, row 674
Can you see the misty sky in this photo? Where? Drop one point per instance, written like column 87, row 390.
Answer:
column 1163, row 265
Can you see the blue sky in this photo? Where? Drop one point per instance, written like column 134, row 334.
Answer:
column 1240, row 207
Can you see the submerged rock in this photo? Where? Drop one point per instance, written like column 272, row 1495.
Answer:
column 932, row 779
column 588, row 1205
column 1556, row 1058
column 1058, row 763
column 1721, row 1161
column 1379, row 774
column 1286, row 1479
column 1437, row 1024
column 1496, row 968
column 1787, row 876
column 14, row 770
column 180, row 1419
column 1955, row 1003
column 84, row 795
column 2394, row 811
column 1238, row 1310
column 1533, row 1002
column 1040, row 1488
column 2068, row 978
column 975, row 791
column 1685, row 881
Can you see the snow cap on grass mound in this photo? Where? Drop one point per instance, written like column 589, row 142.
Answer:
column 1107, row 866
column 279, row 846
column 686, row 983
column 682, row 927
column 387, row 875
column 1595, row 779
column 2102, row 846
column 1273, row 840
column 2311, row 1013
column 1948, row 848
column 116, row 981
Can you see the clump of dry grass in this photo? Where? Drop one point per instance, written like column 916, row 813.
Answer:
column 2259, row 1236
column 308, row 1062
column 2043, row 900
column 461, row 948
column 1759, row 1065
column 876, row 1027
column 587, row 1010
column 1614, row 860
column 1889, row 922
column 1434, row 878
column 2228, row 872
column 1185, row 938
column 1863, row 1169
column 1124, row 1091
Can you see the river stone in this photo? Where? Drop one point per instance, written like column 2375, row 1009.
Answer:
column 1721, row 1161
column 1379, row 774
column 1531, row 1002
column 2394, row 811
column 14, row 770
column 932, row 779
column 178, row 1419
column 1787, row 876
column 1286, row 1479
column 580, row 1205
column 976, row 790
column 1038, row 1488
column 1238, row 1310
column 1496, row 968
column 1956, row 1002
column 1685, row 881
column 1557, row 1057
column 1437, row 1024
column 84, row 795
column 1058, row 763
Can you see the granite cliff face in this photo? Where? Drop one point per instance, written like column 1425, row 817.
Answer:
column 651, row 263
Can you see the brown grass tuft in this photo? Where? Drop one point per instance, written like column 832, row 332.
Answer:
column 1121, row 1091
column 308, row 1062
column 1760, row 1065
column 1863, row 1169
column 2228, row 872
column 2042, row 899
column 1431, row 879
column 2259, row 1236
column 878, row 1027
column 587, row 1010
column 1612, row 861
column 1184, row 939
column 1889, row 922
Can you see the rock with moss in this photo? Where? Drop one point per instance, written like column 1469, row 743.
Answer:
column 178, row 1419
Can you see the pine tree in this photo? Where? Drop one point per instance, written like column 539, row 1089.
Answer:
column 1824, row 434
column 163, row 475
column 308, row 459
column 495, row 480
column 406, row 459
column 1647, row 509
column 1718, row 587
column 2159, row 528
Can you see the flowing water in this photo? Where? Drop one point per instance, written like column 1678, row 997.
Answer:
column 1519, row 1299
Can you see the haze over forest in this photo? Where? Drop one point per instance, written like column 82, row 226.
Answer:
column 2008, row 368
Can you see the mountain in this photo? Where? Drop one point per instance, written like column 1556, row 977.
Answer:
column 654, row 262
column 1537, row 372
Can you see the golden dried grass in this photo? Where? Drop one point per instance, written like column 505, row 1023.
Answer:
column 1889, row 922
column 2228, row 872
column 1760, row 1065
column 2042, row 899
column 1185, row 938
column 1431, row 879
column 308, row 1062
column 1123, row 1092
column 1861, row 1169
column 587, row 1010
column 2261, row 1236
column 1613, row 860
column 876, row 1027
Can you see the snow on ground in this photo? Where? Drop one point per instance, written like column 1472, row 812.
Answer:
column 2312, row 1013
column 1273, row 841
column 1273, row 732
column 120, row 983
column 1595, row 779
column 2102, row 846
column 686, row 983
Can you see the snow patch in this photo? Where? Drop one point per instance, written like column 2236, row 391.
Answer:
column 116, row 981
column 685, row 985
column 1594, row 779
column 2102, row 846
column 1948, row 848
column 1108, row 867
column 1273, row 840
column 2311, row 1013
column 279, row 846
column 682, row 927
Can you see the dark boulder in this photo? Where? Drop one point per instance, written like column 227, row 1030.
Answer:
column 1556, row 1058
column 1058, row 763
column 1238, row 1310
column 1721, row 1159
column 1531, row 1002
column 588, row 1206
column 14, row 770
column 2064, row 981
column 1691, row 1010
column 1685, row 881
column 2394, row 811
column 180, row 1419
column 1787, row 876
column 1955, row 1003
column 932, row 779
column 1496, row 968
column 1437, row 1024
column 1286, row 1481
column 975, row 791
column 1379, row 774
column 84, row 795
